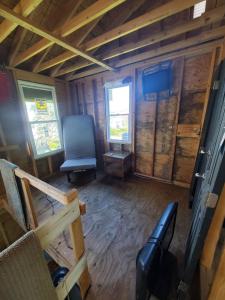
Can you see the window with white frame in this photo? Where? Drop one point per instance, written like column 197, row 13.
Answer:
column 42, row 118
column 118, row 112
column 199, row 9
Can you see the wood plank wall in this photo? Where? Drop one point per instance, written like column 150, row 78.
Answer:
column 12, row 120
column 166, row 129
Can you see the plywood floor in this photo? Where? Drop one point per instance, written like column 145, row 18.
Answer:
column 120, row 217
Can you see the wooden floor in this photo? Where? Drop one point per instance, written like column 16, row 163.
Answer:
column 120, row 217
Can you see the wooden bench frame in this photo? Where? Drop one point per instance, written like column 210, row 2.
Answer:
column 68, row 216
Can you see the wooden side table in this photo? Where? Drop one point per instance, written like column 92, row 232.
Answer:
column 117, row 163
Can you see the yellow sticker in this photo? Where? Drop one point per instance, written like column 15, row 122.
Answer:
column 41, row 105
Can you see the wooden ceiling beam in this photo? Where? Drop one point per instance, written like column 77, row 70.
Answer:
column 91, row 13
column 25, row 23
column 148, row 18
column 208, row 18
column 86, row 30
column 69, row 14
column 159, row 56
column 94, row 11
column 24, row 7
column 155, row 15
column 121, row 18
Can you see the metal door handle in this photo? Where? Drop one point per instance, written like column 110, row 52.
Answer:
column 203, row 151
column 198, row 175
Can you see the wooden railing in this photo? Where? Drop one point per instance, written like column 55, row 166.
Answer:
column 68, row 216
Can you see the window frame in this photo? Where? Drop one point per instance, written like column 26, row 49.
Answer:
column 34, row 85
column 111, row 85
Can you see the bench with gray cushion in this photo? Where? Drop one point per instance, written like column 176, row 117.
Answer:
column 79, row 144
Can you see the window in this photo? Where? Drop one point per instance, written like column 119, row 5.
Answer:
column 118, row 113
column 199, row 9
column 42, row 118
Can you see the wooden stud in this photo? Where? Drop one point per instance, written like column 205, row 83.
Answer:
column 29, row 203
column 17, row 43
column 155, row 15
column 159, row 56
column 50, row 165
column 4, row 236
column 84, row 105
column 73, row 10
column 94, row 11
column 24, row 7
column 86, row 31
column 26, row 23
column 120, row 18
column 76, row 234
column 95, row 112
column 207, row 18
column 214, row 232
column 218, row 288
column 173, row 148
column 71, row 278
column 208, row 89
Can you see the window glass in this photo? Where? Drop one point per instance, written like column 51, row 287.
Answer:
column 118, row 100
column 119, row 128
column 42, row 117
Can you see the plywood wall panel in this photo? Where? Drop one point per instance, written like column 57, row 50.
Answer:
column 191, row 107
column 196, row 71
column 166, row 114
column 145, row 128
column 193, row 96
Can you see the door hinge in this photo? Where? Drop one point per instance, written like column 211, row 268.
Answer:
column 211, row 200
column 216, row 85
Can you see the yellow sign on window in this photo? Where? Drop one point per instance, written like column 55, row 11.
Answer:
column 41, row 105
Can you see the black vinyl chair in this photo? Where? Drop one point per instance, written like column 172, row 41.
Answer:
column 79, row 144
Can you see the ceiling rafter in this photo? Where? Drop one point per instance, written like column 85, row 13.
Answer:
column 16, row 44
column 155, row 15
column 177, row 49
column 91, row 13
column 86, row 30
column 210, row 17
column 24, row 7
column 25, row 23
column 72, row 11
column 121, row 18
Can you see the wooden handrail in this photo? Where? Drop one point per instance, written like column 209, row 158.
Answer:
column 62, row 197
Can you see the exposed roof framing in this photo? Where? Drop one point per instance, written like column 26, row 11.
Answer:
column 24, row 22
column 86, row 30
column 73, row 10
column 121, row 18
column 208, row 18
column 155, row 15
column 182, row 48
column 94, row 11
column 84, row 37
column 24, row 7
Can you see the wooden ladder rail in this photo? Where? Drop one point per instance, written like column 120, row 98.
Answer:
column 69, row 200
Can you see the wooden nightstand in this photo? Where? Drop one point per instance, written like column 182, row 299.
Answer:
column 117, row 163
